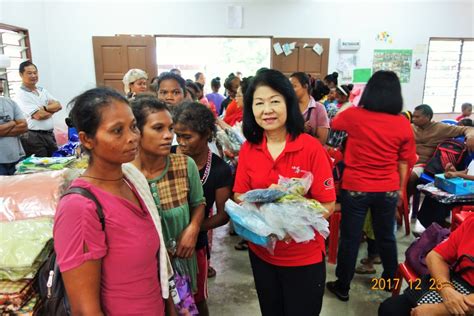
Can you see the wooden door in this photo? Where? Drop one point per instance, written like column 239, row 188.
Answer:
column 115, row 55
column 303, row 58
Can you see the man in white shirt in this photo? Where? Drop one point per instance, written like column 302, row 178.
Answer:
column 38, row 105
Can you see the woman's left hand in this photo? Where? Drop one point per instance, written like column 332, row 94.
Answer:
column 454, row 301
column 187, row 241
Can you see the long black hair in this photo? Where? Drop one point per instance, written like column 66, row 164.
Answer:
column 383, row 93
column 278, row 82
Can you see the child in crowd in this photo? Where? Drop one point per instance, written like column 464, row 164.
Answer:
column 465, row 122
column 466, row 109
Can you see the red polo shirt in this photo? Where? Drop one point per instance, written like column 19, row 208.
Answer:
column 376, row 142
column 459, row 243
column 258, row 170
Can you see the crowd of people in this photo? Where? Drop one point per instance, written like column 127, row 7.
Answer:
column 163, row 183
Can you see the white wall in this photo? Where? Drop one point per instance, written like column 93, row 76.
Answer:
column 61, row 32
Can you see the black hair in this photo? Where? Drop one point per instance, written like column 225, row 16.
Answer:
column 197, row 75
column 303, row 79
column 466, row 105
column 426, row 110
column 192, row 88
column 278, row 82
column 200, row 86
column 345, row 89
column 197, row 117
column 144, row 105
column 175, row 71
column 86, row 108
column 319, row 90
column 245, row 83
column 465, row 122
column 383, row 93
column 169, row 76
column 25, row 64
column 228, row 81
column 216, row 83
column 332, row 78
column 153, row 80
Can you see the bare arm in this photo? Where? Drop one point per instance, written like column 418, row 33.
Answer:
column 330, row 206
column 83, row 288
column 188, row 238
column 53, row 106
column 21, row 127
column 6, row 128
column 221, row 217
column 439, row 269
column 41, row 115
column 322, row 134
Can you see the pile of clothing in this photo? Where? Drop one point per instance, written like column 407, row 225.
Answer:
column 34, row 164
column 27, row 207
column 230, row 140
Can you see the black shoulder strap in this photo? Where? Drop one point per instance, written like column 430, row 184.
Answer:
column 88, row 194
column 308, row 114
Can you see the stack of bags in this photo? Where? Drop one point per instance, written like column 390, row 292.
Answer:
column 230, row 140
column 27, row 207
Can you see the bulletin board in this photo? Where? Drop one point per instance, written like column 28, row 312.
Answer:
column 396, row 60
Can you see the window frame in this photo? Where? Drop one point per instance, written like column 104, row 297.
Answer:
column 27, row 51
column 458, row 71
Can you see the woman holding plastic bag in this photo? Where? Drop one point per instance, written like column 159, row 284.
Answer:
column 291, row 281
column 176, row 188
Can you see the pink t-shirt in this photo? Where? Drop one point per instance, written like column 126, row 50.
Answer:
column 128, row 248
column 317, row 116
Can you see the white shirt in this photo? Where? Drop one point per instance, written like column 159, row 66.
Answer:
column 32, row 101
column 470, row 169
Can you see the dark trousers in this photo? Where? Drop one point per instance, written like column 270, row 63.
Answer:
column 396, row 306
column 372, row 250
column 39, row 143
column 7, row 169
column 288, row 291
column 432, row 211
column 354, row 208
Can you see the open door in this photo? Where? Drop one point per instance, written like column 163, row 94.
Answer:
column 303, row 58
column 115, row 55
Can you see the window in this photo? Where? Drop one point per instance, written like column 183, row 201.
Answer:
column 449, row 74
column 14, row 43
column 214, row 56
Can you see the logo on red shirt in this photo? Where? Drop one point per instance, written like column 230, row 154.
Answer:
column 329, row 184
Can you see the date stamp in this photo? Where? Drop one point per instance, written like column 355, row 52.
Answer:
column 380, row 284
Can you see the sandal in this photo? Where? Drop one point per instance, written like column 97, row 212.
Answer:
column 211, row 272
column 241, row 245
column 365, row 269
column 373, row 260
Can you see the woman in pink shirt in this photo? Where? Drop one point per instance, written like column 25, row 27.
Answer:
column 111, row 270
column 314, row 113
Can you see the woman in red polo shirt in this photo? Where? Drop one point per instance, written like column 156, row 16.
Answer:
column 291, row 281
column 379, row 150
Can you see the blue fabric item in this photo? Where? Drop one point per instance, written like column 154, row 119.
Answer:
column 450, row 122
column 425, row 178
column 262, row 195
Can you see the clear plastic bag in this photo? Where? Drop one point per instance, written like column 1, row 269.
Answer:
column 181, row 284
column 33, row 195
column 298, row 186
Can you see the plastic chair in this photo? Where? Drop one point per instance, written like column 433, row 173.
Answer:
column 404, row 272
column 459, row 214
column 404, row 209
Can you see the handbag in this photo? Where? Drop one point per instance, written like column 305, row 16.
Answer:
column 425, row 291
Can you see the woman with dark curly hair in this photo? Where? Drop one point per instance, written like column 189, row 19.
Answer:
column 195, row 127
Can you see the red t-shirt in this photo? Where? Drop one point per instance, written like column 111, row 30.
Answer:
column 233, row 113
column 128, row 249
column 376, row 142
column 257, row 170
column 460, row 242
column 460, row 117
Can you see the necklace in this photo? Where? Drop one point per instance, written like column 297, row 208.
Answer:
column 207, row 171
column 101, row 179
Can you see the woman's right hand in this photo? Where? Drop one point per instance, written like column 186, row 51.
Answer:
column 454, row 301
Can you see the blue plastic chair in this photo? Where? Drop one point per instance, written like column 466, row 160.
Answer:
column 450, row 122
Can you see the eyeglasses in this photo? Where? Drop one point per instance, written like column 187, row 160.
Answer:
column 175, row 92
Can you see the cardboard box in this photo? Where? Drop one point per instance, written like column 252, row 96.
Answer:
column 456, row 186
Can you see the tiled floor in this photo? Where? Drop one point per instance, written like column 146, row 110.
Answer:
column 232, row 292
